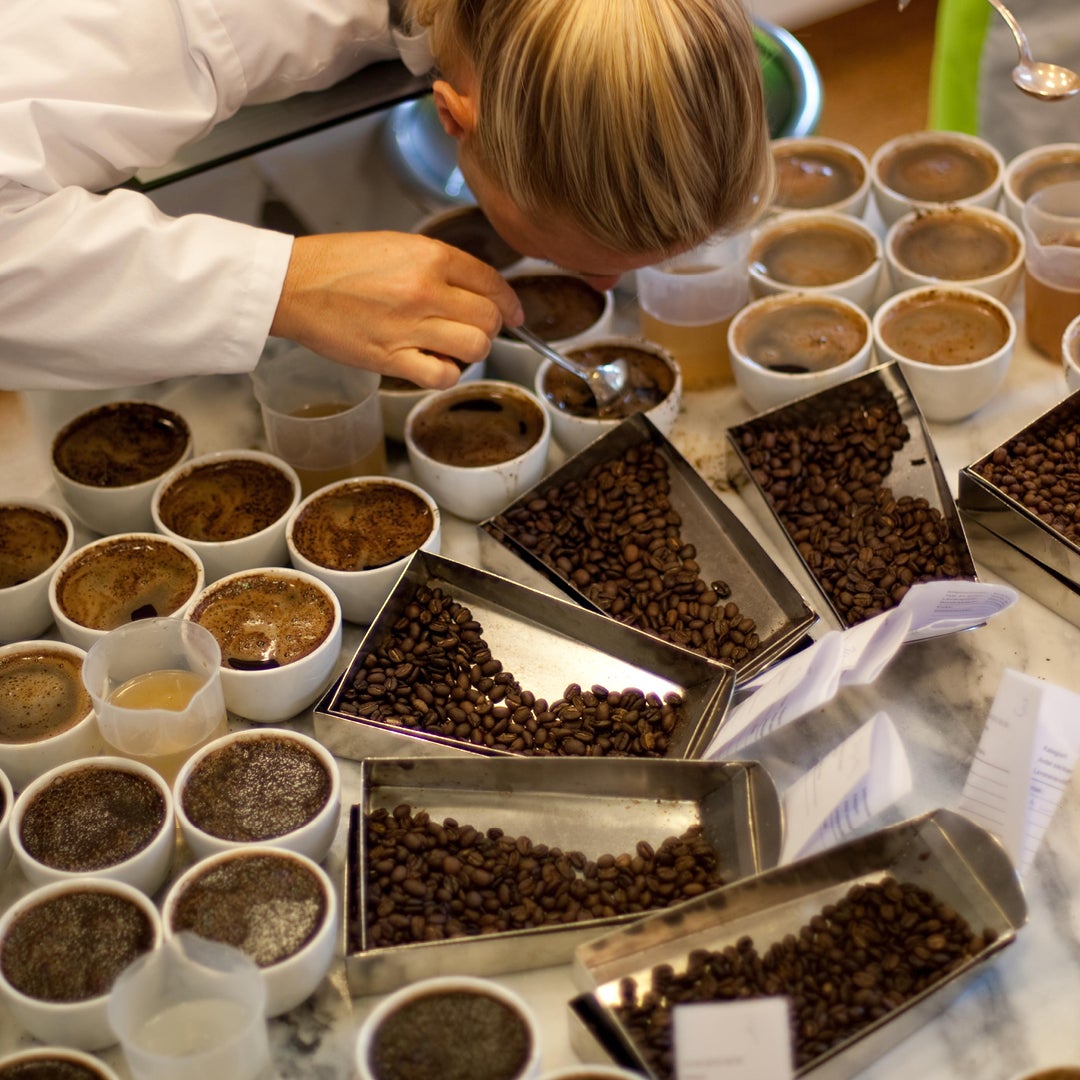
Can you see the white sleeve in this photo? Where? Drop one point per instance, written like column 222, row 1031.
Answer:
column 104, row 290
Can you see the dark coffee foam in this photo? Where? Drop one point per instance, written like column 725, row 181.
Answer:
column 123, row 443
column 803, row 337
column 649, row 380
column 955, row 246
column 813, row 254
column 938, row 171
column 41, row 694
column 944, row 329
column 812, row 177
column 480, row 427
column 558, row 306
column 31, row 541
column 362, row 526
column 471, row 231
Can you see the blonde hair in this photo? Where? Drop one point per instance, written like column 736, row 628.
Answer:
column 641, row 121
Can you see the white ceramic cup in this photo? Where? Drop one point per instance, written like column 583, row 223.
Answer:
column 764, row 387
column 134, row 583
column 516, row 362
column 57, row 1057
column 948, row 392
column 292, row 978
column 6, row 811
column 145, row 870
column 396, row 400
column 361, row 592
column 264, row 547
column 950, row 245
column 82, row 1024
column 25, row 761
column 942, row 167
column 271, row 695
column 814, row 252
column 448, row 984
column 574, row 433
column 1036, row 168
column 477, row 492
column 247, row 784
column 818, row 173
column 1070, row 354
column 24, row 607
column 123, row 508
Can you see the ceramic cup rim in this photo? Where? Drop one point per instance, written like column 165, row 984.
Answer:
column 326, row 759
column 69, row 544
column 846, row 148
column 974, row 295
column 81, row 883
column 269, row 571
column 526, row 268
column 787, row 222
column 64, row 622
column 30, row 1054
column 1017, row 166
column 437, row 984
column 184, row 468
column 929, row 137
column 352, row 482
column 470, row 388
column 150, row 482
column 110, row 762
column 988, row 214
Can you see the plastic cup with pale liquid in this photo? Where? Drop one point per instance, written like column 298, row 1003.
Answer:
column 192, row 1010
column 156, row 689
column 323, row 418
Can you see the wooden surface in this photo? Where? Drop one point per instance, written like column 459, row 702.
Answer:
column 874, row 62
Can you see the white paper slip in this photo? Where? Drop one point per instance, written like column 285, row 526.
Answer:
column 806, row 681
column 863, row 776
column 946, row 607
column 1023, row 763
column 733, row 1040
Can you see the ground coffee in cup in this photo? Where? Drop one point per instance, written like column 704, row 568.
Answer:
column 812, row 254
column 41, row 694
column 942, row 170
column 955, row 245
column 649, row 380
column 808, row 335
column 944, row 328
column 31, row 540
column 814, row 176
column 558, row 306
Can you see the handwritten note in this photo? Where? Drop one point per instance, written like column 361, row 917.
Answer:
column 863, row 776
column 1023, row 763
column 733, row 1040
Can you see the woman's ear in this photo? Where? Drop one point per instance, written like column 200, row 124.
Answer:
column 456, row 110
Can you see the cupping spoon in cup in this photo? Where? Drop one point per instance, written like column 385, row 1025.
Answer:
column 1035, row 77
column 606, row 381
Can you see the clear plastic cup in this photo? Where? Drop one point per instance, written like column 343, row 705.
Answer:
column 156, row 689
column 1052, row 280
column 686, row 304
column 192, row 1010
column 323, row 418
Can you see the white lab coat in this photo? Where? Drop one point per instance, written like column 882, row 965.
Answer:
column 104, row 290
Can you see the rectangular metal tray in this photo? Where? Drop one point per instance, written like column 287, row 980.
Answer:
column 548, row 644
column 726, row 549
column 982, row 502
column 915, row 472
column 594, row 806
column 942, row 851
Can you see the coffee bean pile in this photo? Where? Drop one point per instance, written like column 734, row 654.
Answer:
column 433, row 672
column 429, row 881
column 824, row 475
column 1040, row 469
column 852, row 964
column 615, row 536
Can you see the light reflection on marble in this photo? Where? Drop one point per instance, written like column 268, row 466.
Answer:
column 1020, row 1013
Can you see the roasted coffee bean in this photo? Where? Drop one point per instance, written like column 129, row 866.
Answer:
column 447, row 691
column 616, row 537
column 1040, row 469
column 852, row 964
column 824, row 474
column 429, row 884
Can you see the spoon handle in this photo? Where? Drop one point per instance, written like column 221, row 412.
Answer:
column 523, row 333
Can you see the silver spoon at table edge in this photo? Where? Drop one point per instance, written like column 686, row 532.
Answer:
column 1047, row 82
column 606, row 381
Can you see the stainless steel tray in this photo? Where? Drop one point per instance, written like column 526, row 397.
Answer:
column 915, row 472
column 548, row 644
column 982, row 502
column 942, row 851
column 595, row 806
column 726, row 549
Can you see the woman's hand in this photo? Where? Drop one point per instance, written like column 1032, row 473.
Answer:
column 397, row 303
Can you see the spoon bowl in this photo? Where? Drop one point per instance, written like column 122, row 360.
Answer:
column 606, row 381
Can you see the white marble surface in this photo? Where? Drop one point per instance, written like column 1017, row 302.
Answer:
column 1019, row 1014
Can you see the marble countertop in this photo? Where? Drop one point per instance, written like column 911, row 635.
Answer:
column 1018, row 1014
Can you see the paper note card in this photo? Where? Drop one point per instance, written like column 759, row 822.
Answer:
column 1023, row 763
column 863, row 776
column 733, row 1040
column 945, row 607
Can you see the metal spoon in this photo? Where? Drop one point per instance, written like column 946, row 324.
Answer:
column 1049, row 82
column 606, row 381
